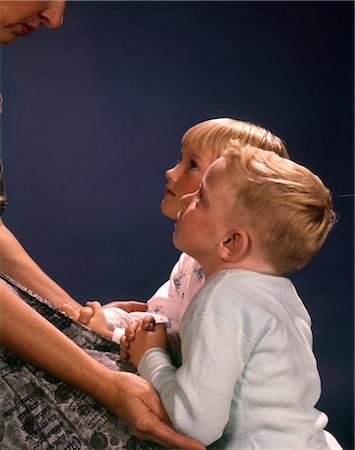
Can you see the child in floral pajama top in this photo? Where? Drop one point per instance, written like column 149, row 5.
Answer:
column 174, row 296
column 201, row 145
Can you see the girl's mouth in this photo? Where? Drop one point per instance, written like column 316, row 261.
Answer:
column 169, row 192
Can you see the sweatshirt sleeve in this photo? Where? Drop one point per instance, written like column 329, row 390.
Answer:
column 198, row 395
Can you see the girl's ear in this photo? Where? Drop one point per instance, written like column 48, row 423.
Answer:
column 235, row 245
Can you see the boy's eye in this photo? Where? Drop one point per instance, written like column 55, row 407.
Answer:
column 193, row 164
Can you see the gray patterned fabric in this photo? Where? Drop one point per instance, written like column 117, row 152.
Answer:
column 39, row 411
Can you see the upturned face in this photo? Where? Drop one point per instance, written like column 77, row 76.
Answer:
column 201, row 222
column 184, row 178
column 19, row 18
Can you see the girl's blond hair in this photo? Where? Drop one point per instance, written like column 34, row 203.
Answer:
column 216, row 133
column 285, row 205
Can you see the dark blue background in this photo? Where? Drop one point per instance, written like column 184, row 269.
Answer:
column 94, row 113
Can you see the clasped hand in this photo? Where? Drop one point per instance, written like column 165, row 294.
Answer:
column 141, row 336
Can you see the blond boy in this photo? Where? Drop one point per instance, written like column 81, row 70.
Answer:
column 248, row 370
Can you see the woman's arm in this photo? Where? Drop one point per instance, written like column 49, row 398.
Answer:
column 29, row 336
column 18, row 265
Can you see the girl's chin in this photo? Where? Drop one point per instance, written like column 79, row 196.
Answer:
column 168, row 212
column 176, row 242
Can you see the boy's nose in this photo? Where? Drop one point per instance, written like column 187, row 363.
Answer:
column 52, row 14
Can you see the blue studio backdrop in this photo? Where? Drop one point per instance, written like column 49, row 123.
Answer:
column 94, row 113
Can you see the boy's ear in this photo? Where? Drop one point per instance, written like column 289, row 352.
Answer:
column 235, row 245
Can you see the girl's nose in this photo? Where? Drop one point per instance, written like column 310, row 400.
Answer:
column 52, row 14
column 170, row 174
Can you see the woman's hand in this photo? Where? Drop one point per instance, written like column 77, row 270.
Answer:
column 135, row 401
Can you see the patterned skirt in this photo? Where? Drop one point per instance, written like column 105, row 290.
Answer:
column 38, row 411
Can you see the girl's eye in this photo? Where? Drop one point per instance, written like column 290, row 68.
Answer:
column 193, row 164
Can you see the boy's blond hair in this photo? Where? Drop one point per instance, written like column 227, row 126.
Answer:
column 285, row 205
column 215, row 134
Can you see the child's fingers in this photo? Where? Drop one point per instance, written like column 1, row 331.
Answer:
column 85, row 315
column 96, row 306
column 130, row 331
column 148, row 323
column 70, row 311
column 124, row 355
column 124, row 343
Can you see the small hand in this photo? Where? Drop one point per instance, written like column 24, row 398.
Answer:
column 81, row 315
column 70, row 311
column 148, row 323
column 148, row 335
column 126, row 339
column 92, row 316
column 85, row 314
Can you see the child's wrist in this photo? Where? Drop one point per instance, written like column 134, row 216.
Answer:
column 149, row 359
column 108, row 334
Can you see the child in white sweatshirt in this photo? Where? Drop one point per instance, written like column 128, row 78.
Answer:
column 248, row 372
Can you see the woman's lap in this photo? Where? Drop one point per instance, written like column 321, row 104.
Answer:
column 40, row 411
